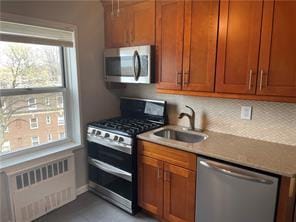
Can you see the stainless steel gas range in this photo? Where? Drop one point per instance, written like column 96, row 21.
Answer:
column 112, row 151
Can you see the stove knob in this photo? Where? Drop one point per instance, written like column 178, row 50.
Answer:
column 120, row 139
column 98, row 133
column 115, row 138
column 107, row 135
column 93, row 132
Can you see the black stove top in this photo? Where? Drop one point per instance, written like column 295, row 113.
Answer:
column 137, row 116
column 126, row 125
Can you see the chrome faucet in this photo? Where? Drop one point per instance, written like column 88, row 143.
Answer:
column 190, row 117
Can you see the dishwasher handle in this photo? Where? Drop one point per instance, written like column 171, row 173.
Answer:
column 234, row 172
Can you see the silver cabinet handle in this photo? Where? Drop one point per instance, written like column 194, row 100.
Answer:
column 110, row 169
column 250, row 79
column 166, row 175
column 261, row 78
column 158, row 173
column 179, row 78
column 234, row 172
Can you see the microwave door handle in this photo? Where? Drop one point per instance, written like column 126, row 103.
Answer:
column 137, row 60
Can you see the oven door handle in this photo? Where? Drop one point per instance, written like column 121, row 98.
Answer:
column 110, row 169
column 137, row 70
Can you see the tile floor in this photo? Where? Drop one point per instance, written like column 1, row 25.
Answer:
column 90, row 208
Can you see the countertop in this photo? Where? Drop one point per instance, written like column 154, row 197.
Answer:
column 270, row 157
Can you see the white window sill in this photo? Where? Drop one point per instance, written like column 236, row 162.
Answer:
column 12, row 161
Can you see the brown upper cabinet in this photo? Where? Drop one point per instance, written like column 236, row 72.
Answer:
column 239, row 43
column 200, row 41
column 238, row 46
column 134, row 25
column 116, row 33
column 169, row 43
column 277, row 64
column 186, row 36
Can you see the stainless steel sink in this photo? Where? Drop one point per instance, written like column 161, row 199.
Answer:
column 183, row 136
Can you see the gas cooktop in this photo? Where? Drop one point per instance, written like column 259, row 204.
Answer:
column 126, row 125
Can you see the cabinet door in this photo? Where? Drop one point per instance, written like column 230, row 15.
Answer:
column 143, row 23
column 179, row 194
column 238, row 46
column 116, row 28
column 200, row 42
column 278, row 49
column 150, row 184
column 169, row 43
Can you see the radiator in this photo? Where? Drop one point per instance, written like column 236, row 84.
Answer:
column 38, row 190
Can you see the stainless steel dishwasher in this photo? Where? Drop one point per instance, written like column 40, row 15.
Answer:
column 231, row 194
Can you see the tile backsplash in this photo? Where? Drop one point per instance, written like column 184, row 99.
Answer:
column 273, row 122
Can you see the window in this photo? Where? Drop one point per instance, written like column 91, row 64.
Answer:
column 47, row 101
column 34, row 123
column 38, row 76
column 60, row 102
column 62, row 135
column 35, row 140
column 49, row 137
column 48, row 119
column 5, row 146
column 61, row 120
column 32, row 104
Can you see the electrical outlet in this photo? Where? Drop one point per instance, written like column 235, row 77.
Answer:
column 246, row 112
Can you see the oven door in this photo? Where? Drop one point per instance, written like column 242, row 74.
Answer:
column 115, row 158
column 111, row 184
column 128, row 65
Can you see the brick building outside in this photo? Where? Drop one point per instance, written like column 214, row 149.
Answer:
column 32, row 120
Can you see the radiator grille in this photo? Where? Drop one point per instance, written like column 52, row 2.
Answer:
column 36, row 191
column 40, row 174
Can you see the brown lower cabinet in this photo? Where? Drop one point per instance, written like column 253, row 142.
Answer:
column 167, row 180
column 167, row 185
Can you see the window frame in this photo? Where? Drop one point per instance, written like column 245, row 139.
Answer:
column 46, row 119
column 47, row 101
column 5, row 143
column 73, row 120
column 37, row 123
column 60, row 137
column 61, row 123
column 32, row 106
column 38, row 139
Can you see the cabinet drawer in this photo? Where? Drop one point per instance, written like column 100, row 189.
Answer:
column 170, row 155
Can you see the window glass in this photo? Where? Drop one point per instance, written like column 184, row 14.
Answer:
column 6, row 146
column 32, row 104
column 61, row 119
column 23, row 124
column 35, row 140
column 48, row 119
column 25, row 65
column 34, row 123
column 62, row 135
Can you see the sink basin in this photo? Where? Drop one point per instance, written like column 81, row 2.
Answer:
column 182, row 136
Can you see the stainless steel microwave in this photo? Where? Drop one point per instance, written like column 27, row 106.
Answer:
column 129, row 64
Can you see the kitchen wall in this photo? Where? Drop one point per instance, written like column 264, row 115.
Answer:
column 97, row 102
column 274, row 122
